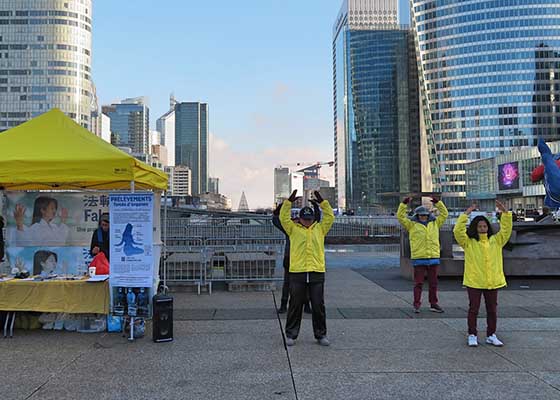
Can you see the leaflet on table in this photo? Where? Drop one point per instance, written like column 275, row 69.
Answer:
column 98, row 278
column 131, row 238
column 52, row 219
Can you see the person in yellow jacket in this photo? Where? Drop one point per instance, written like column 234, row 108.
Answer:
column 307, row 266
column 484, row 270
column 423, row 231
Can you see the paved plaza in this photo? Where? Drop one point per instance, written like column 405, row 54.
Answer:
column 230, row 346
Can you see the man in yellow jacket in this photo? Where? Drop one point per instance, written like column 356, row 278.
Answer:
column 423, row 231
column 484, row 269
column 307, row 266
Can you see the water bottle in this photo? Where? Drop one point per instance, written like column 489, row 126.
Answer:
column 131, row 300
column 130, row 297
column 142, row 298
column 142, row 302
column 121, row 298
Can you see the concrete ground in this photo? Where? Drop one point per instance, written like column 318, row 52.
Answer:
column 230, row 346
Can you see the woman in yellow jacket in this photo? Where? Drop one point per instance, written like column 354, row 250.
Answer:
column 423, row 231
column 307, row 266
column 484, row 270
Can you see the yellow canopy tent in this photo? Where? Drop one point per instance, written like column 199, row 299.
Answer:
column 52, row 151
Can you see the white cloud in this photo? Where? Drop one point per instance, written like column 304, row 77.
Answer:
column 252, row 171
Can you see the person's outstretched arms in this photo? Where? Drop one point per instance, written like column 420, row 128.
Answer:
column 460, row 228
column 506, row 225
column 328, row 214
column 443, row 213
column 276, row 218
column 285, row 213
column 316, row 209
column 401, row 214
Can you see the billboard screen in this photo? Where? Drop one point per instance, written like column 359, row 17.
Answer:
column 508, row 176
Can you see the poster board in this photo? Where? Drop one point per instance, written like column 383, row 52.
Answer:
column 132, row 252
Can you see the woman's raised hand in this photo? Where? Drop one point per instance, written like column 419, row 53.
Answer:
column 501, row 206
column 19, row 214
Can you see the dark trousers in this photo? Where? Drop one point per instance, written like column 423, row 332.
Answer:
column 286, row 290
column 286, row 287
column 419, row 273
column 300, row 284
column 491, row 301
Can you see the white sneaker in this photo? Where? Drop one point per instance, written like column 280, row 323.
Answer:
column 473, row 341
column 494, row 341
column 290, row 341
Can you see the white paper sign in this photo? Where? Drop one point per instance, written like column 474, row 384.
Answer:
column 131, row 233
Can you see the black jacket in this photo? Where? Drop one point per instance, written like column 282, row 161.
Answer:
column 103, row 244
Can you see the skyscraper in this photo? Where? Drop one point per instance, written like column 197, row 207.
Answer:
column 130, row 122
column 165, row 125
column 281, row 184
column 491, row 80
column 376, row 119
column 191, row 142
column 45, row 60
column 214, row 185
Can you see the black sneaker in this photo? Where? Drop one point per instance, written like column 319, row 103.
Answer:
column 282, row 310
column 436, row 308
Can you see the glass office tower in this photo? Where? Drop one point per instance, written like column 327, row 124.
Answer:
column 130, row 124
column 376, row 119
column 491, row 79
column 45, row 60
column 191, row 142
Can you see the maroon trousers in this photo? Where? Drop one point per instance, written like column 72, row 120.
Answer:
column 419, row 273
column 491, row 301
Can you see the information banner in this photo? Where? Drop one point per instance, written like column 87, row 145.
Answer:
column 131, row 238
column 51, row 232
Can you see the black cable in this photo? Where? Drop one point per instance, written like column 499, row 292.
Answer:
column 285, row 346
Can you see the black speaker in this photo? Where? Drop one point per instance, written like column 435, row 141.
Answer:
column 163, row 319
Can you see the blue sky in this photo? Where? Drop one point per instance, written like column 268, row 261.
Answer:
column 264, row 67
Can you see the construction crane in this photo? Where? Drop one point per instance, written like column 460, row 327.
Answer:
column 309, row 165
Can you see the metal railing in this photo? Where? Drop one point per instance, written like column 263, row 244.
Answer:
column 204, row 250
column 203, row 261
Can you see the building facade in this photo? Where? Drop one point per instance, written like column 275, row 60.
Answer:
column 282, row 184
column 490, row 73
column 45, row 60
column 191, row 142
column 130, row 122
column 159, row 153
column 179, row 180
column 165, row 125
column 215, row 201
column 376, row 117
column 507, row 177
column 214, row 185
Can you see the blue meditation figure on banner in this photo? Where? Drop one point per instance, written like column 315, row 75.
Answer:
column 551, row 176
column 128, row 241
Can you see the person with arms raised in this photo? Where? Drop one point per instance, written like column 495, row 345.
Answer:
column 484, row 269
column 307, row 266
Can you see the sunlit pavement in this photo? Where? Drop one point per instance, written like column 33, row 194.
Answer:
column 230, row 345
